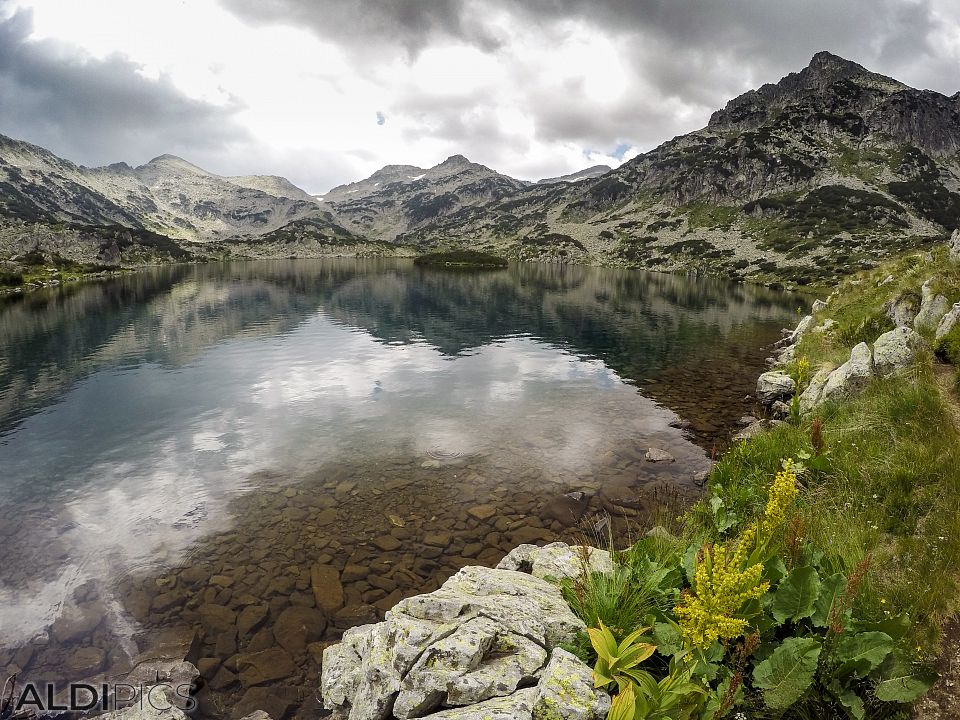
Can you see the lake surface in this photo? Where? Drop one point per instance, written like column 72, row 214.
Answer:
column 197, row 436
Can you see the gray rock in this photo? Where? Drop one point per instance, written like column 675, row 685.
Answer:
column 658, row 455
column 556, row 560
column 811, row 394
column 826, row 326
column 955, row 246
column 802, row 327
column 755, row 428
column 785, row 355
column 896, row 350
column 566, row 691
column 365, row 674
column 780, row 410
column 886, row 281
column 932, row 309
column 518, row 706
column 903, row 309
column 851, row 377
column 145, row 711
column 257, row 715
column 948, row 322
column 774, row 385
column 477, row 662
column 819, row 305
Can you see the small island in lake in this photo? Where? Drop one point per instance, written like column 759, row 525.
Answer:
column 466, row 259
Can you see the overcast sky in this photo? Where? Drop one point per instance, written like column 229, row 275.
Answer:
column 327, row 91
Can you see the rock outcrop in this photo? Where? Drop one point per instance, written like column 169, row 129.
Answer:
column 471, row 649
column 948, row 322
column 896, row 350
column 851, row 377
column 955, row 246
column 775, row 385
column 557, row 560
column 903, row 309
column 933, row 306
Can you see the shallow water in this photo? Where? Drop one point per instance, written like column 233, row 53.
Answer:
column 205, row 435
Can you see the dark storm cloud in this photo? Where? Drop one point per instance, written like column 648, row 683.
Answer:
column 411, row 24
column 98, row 111
column 688, row 57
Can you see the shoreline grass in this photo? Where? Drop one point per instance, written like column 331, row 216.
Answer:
column 876, row 521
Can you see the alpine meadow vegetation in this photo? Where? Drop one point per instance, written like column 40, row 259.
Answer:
column 816, row 576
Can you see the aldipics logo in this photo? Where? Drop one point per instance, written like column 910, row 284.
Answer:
column 43, row 698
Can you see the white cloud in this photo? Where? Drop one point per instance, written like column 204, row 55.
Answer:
column 328, row 93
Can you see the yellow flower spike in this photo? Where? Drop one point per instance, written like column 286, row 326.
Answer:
column 723, row 583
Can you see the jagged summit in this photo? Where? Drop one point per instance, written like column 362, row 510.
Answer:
column 454, row 161
column 171, row 162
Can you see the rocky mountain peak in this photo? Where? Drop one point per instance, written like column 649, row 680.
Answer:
column 168, row 162
column 455, row 161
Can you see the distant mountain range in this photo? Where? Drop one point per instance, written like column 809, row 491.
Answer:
column 822, row 173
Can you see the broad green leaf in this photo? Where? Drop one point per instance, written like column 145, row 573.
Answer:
column 849, row 699
column 898, row 681
column 636, row 655
column 630, row 639
column 624, row 706
column 668, row 640
column 774, row 570
column 896, row 627
column 787, row 674
column 831, row 590
column 796, row 595
column 601, row 673
column 862, row 652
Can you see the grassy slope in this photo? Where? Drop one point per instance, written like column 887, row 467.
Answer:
column 885, row 485
column 889, row 480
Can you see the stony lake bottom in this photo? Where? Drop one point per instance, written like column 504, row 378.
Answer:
column 237, row 462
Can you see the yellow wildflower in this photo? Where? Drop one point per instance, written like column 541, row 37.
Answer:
column 722, row 584
column 782, row 494
column 720, row 588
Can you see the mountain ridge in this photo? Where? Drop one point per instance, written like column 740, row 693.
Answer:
column 823, row 172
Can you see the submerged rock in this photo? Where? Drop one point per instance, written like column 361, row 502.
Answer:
column 657, row 455
column 896, row 350
column 774, row 385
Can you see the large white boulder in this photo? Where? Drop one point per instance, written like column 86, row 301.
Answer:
column 482, row 635
column 851, row 377
column 955, row 246
column 896, row 350
column 566, row 691
column 557, row 560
